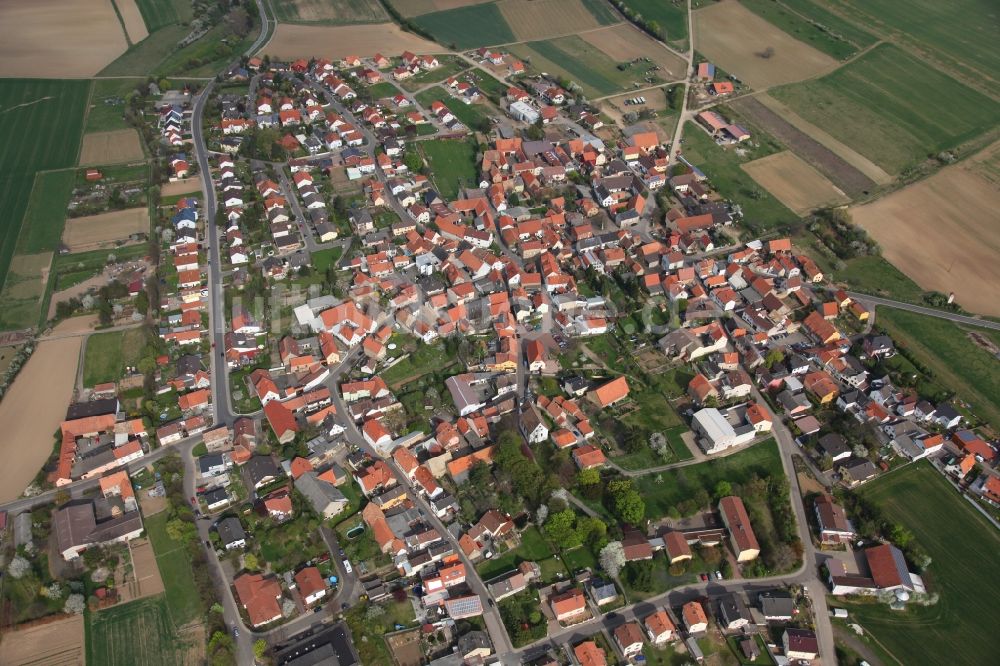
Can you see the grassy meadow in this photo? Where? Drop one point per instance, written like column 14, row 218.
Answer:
column 467, row 27
column 453, row 164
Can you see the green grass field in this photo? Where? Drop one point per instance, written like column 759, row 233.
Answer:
column 834, row 23
column 965, row 572
column 958, row 32
column 575, row 59
column 143, row 58
column 470, row 115
column 945, row 348
column 175, row 569
column 139, row 632
column 887, row 105
column 450, row 66
column 43, row 222
column 801, row 28
column 665, row 490
column 41, row 130
column 669, row 15
column 467, row 27
column 533, row 548
column 453, row 163
column 159, row 13
column 761, row 210
column 104, row 117
column 108, row 353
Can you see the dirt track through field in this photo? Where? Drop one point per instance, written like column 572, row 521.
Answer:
column 794, row 182
column 27, row 442
column 69, row 39
column 132, row 18
column 111, row 147
column 845, row 176
column 625, row 42
column 841, row 150
column 751, row 48
column 305, row 41
column 943, row 232
column 57, row 643
column 95, row 231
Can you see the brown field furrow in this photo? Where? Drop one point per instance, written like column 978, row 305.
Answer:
column 625, row 42
column 736, row 39
column 537, row 19
column 67, row 39
column 795, row 183
column 45, row 644
column 853, row 182
column 134, row 25
column 305, row 41
column 410, row 8
column 942, row 232
column 94, row 231
column 111, row 147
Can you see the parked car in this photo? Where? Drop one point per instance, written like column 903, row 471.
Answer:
column 703, row 576
column 718, row 575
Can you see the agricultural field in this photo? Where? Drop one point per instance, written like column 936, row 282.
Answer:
column 83, row 234
column 759, row 53
column 761, row 210
column 43, row 122
column 794, row 182
column 144, row 57
column 886, row 105
column 140, row 633
column 107, row 354
column 942, row 231
column 957, row 34
column 852, row 180
column 305, row 41
column 453, row 164
column 802, row 28
column 538, row 19
column 947, row 350
column 161, row 13
column 576, row 59
column 411, row 8
column 624, row 43
column 58, row 38
column 964, row 571
column 467, row 27
column 135, row 24
column 817, row 13
column 665, row 490
column 669, row 15
column 58, row 642
column 42, row 226
column 333, row 12
column 111, row 147
column 23, row 290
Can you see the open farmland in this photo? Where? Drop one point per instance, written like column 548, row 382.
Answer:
column 107, row 229
column 40, row 126
column 538, row 19
column 796, row 184
column 58, row 38
column 467, row 27
column 135, row 26
column 107, row 104
column 410, row 8
column 161, row 13
column 334, row 12
column 45, row 644
column 111, row 147
column 747, row 46
column 22, row 291
column 849, row 174
column 576, row 59
column 625, row 42
column 43, row 221
column 942, row 231
column 27, row 442
column 958, row 34
column 140, row 633
column 802, row 28
column 816, row 11
column 306, row 41
column 887, row 105
column 669, row 15
column 964, row 571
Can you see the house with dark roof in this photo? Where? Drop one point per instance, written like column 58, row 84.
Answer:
column 231, row 533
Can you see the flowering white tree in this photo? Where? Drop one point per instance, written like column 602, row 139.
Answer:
column 18, row 567
column 542, row 514
column 613, row 558
column 74, row 604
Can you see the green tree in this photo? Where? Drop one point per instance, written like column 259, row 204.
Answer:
column 588, row 477
column 723, row 489
column 560, row 528
column 626, row 502
column 250, row 562
column 259, row 648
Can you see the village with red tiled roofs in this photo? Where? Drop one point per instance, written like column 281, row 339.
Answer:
column 445, row 359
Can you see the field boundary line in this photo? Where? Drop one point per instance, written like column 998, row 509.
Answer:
column 121, row 22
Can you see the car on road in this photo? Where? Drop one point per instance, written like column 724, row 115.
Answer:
column 194, row 501
column 347, row 566
column 703, row 576
column 718, row 575
column 236, row 632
